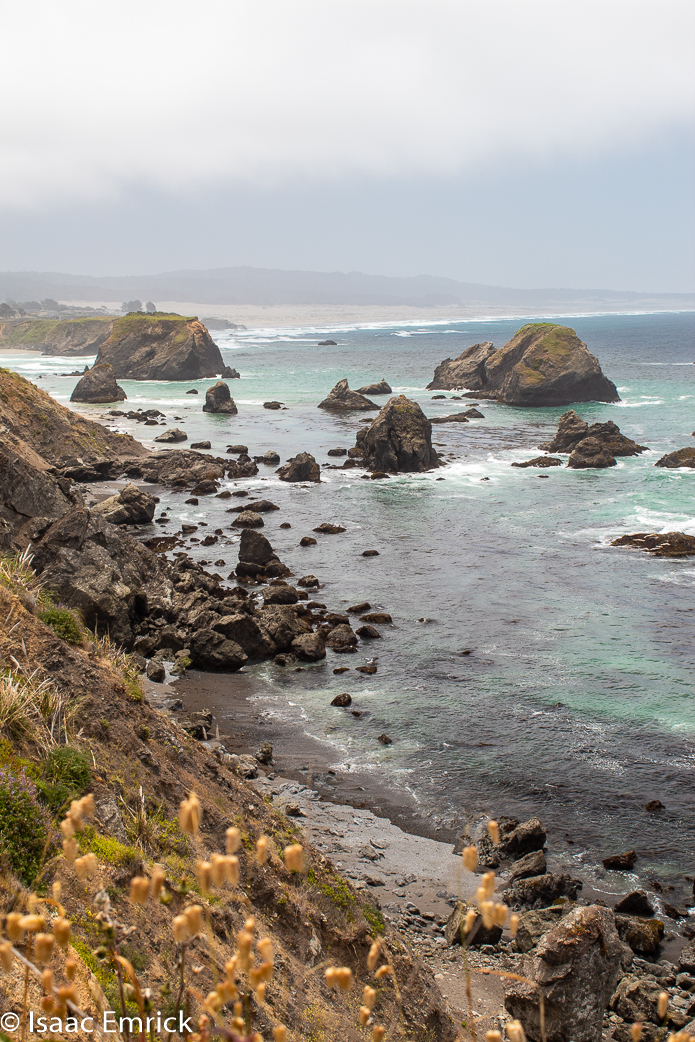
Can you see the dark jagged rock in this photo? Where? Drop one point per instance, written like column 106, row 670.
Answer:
column 465, row 372
column 543, row 364
column 478, row 935
column 380, row 388
column 454, row 417
column 219, row 400
column 160, row 347
column 572, row 431
column 257, row 557
column 229, row 374
column 590, row 454
column 272, row 405
column 302, row 467
column 635, row 903
column 172, row 436
column 341, row 637
column 621, row 862
column 309, row 647
column 576, row 966
column 343, row 700
column 98, row 385
column 248, row 519
column 327, row 343
column 261, row 506
column 131, row 506
column 543, row 462
column 679, row 458
column 368, row 632
column 522, row 838
column 280, row 595
column 29, row 499
column 531, row 864
column 213, row 652
column 534, row 924
column 341, row 398
column 337, row 452
column 539, row 891
column 269, row 458
column 664, row 544
column 328, row 529
column 399, row 439
column 200, row 445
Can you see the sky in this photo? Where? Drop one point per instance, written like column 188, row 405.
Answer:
column 530, row 144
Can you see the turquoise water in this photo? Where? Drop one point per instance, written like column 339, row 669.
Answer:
column 576, row 702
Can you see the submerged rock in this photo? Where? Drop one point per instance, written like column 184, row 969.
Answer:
column 543, row 364
column 399, row 439
column 380, row 388
column 341, row 398
column 219, row 400
column 160, row 347
column 576, row 967
column 98, row 385
column 542, row 462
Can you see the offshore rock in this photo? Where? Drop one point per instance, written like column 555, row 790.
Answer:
column 219, row 400
column 664, row 544
column 341, row 398
column 543, row 364
column 399, row 439
column 131, row 506
column 381, row 388
column 98, row 385
column 454, row 417
column 302, row 467
column 160, row 347
column 576, row 966
column 257, row 557
column 679, row 458
column 590, row 454
column 572, row 431
column 542, row 462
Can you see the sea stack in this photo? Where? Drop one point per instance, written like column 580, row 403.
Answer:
column 341, row 399
column 98, row 386
column 218, row 399
column 399, row 439
column 160, row 347
column 543, row 364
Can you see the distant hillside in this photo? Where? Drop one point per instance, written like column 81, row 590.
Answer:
column 265, row 286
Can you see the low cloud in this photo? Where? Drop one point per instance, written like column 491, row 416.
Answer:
column 174, row 95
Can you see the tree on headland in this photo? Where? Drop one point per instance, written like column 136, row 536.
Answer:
column 131, row 305
column 7, row 312
column 149, row 306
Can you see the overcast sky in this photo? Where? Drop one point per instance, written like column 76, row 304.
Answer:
column 518, row 142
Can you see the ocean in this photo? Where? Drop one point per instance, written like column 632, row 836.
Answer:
column 576, row 700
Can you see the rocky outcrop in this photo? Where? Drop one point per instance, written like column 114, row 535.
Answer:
column 540, row 891
column 679, row 458
column 218, row 399
column 257, row 557
column 664, row 544
column 160, row 347
column 572, row 431
column 542, row 462
column 467, row 372
column 342, row 399
column 543, row 364
column 302, row 467
column 576, row 967
column 399, row 439
column 381, row 388
column 131, row 506
column 30, row 499
column 67, row 337
column 35, row 423
column 98, row 386
column 228, row 374
column 591, row 454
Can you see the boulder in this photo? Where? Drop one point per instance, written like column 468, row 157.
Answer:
column 679, row 458
column 200, row 445
column 261, row 506
column 283, row 625
column 399, row 439
column 454, row 417
column 30, row 499
column 237, row 449
column 643, row 935
column 540, row 461
column 367, row 632
column 478, row 935
column 342, row 701
column 326, row 528
column 173, row 435
column 270, row 458
column 465, row 372
column 535, row 924
column 302, row 467
column 621, row 862
column 635, row 903
column 280, row 595
column 248, row 519
column 576, row 966
column 160, row 347
column 686, row 959
column 248, row 632
column 212, row 651
column 309, row 647
column 273, row 406
column 531, row 864
column 257, row 557
column 327, row 343
column 156, row 671
column 666, row 544
column 98, row 385
column 219, row 400
column 341, row 398
column 229, row 374
column 572, row 430
column 590, row 454
column 381, row 388
column 637, row 1000
column 540, row 891
column 265, row 754
column 341, row 637
column 131, row 506
column 522, row 839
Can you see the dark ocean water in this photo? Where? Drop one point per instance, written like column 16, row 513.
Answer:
column 577, row 700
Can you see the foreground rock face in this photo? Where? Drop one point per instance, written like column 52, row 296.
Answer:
column 399, row 439
column 29, row 499
column 543, row 364
column 132, row 506
column 218, row 399
column 341, row 398
column 576, row 966
column 160, row 347
column 665, row 544
column 98, row 385
column 381, row 388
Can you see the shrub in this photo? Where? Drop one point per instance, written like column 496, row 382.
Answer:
column 63, row 623
column 65, row 776
column 24, row 826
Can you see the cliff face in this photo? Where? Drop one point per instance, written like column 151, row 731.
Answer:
column 79, row 336
column 543, row 364
column 160, row 347
column 40, row 430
